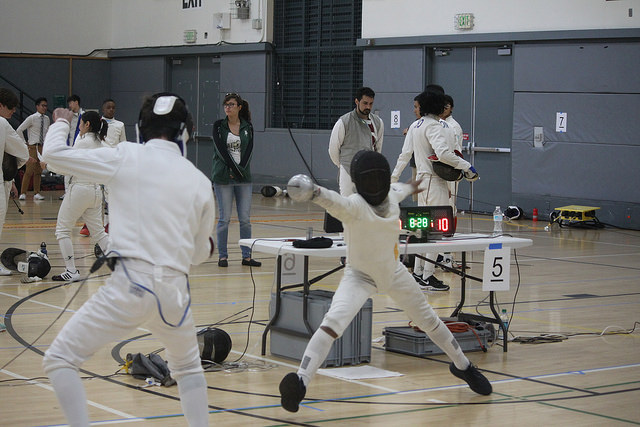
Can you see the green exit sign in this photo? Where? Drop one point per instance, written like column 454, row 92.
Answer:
column 464, row 21
column 190, row 36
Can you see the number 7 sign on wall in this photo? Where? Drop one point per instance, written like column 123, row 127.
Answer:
column 496, row 270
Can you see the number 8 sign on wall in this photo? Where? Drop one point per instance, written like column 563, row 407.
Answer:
column 496, row 270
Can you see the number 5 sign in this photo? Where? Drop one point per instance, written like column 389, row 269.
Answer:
column 496, row 272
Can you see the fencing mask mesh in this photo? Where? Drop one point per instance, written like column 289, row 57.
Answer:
column 12, row 256
column 38, row 265
column 214, row 345
column 371, row 175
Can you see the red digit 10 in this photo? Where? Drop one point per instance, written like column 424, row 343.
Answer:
column 443, row 224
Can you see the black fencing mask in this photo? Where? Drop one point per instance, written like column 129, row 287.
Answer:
column 445, row 171
column 38, row 266
column 371, row 175
column 214, row 344
column 12, row 256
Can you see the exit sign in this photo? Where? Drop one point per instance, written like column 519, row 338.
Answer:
column 464, row 21
column 190, row 36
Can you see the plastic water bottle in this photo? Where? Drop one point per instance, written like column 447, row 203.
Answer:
column 43, row 248
column 504, row 318
column 497, row 221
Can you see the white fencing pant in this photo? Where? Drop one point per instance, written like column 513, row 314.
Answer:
column 82, row 201
column 4, row 203
column 353, row 291
column 119, row 307
column 435, row 193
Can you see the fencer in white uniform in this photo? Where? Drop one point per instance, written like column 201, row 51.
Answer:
column 427, row 137
column 12, row 144
column 83, row 198
column 162, row 223
column 370, row 220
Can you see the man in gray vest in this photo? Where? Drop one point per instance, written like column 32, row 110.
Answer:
column 357, row 130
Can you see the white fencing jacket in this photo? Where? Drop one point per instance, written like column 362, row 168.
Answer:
column 161, row 207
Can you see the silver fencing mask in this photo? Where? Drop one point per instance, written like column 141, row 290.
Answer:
column 371, row 175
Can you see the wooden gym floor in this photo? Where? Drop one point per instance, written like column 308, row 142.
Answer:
column 580, row 285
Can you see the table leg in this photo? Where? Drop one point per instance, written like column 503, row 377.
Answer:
column 499, row 321
column 305, row 296
column 463, row 285
column 276, row 313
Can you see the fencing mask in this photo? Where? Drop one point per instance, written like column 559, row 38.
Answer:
column 371, row 175
column 445, row 171
column 12, row 256
column 37, row 265
column 271, row 191
column 214, row 345
column 514, row 212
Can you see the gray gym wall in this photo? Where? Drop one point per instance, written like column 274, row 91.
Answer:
column 594, row 163
column 50, row 77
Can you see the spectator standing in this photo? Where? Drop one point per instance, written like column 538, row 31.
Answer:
column 357, row 130
column 231, row 176
column 36, row 126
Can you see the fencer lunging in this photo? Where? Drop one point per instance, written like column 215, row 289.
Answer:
column 163, row 220
column 370, row 219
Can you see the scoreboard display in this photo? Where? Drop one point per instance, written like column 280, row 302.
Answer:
column 429, row 222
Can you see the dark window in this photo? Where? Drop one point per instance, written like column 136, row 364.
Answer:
column 317, row 66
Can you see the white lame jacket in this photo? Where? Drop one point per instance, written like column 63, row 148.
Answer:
column 161, row 207
column 426, row 137
column 372, row 240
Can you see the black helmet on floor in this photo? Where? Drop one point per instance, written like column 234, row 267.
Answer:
column 214, row 344
column 12, row 256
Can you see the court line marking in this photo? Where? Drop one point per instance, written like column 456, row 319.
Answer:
column 90, row 402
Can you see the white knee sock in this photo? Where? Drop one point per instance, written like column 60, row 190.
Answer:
column 193, row 399
column 314, row 355
column 444, row 339
column 66, row 248
column 70, row 392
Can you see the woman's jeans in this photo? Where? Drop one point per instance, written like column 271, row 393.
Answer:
column 224, row 196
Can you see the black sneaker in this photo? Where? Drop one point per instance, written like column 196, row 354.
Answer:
column 477, row 382
column 292, row 391
column 222, row 262
column 251, row 262
column 431, row 284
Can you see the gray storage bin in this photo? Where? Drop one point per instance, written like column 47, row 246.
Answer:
column 406, row 340
column 289, row 335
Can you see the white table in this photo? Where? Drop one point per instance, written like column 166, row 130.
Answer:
column 458, row 243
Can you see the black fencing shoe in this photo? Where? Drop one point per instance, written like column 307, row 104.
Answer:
column 434, row 284
column 292, row 391
column 431, row 284
column 477, row 382
column 251, row 262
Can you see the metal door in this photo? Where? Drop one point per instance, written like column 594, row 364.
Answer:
column 197, row 81
column 480, row 80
